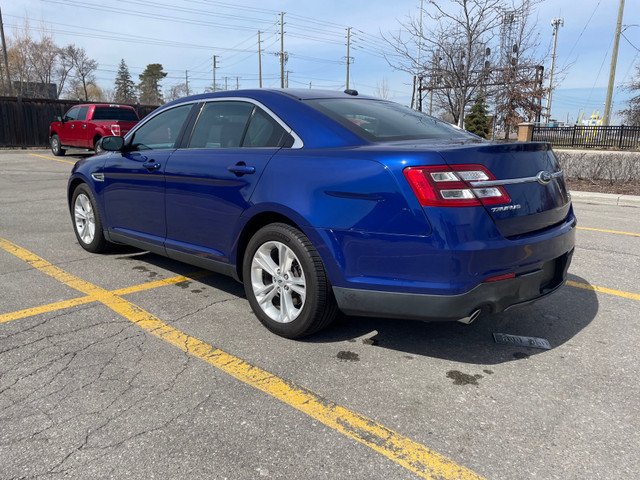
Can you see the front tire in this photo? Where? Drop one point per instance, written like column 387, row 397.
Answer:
column 56, row 146
column 285, row 282
column 87, row 223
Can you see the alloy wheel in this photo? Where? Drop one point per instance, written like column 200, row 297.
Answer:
column 278, row 282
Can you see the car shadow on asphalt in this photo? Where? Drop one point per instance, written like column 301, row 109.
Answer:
column 557, row 319
column 148, row 262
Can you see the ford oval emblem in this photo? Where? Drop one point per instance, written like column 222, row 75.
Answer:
column 543, row 177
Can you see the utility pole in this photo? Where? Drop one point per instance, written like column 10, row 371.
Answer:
column 281, row 49
column 348, row 57
column 286, row 84
column 556, row 23
column 226, row 84
column 612, row 71
column 259, row 61
column 417, row 82
column 237, row 83
column 4, row 54
column 215, row 65
column 186, row 80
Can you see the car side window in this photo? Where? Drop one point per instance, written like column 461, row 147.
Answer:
column 72, row 114
column 264, row 131
column 82, row 113
column 221, row 125
column 161, row 132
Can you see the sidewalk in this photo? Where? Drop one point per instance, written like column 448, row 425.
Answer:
column 605, row 199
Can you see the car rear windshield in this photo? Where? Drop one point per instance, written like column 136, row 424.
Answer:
column 115, row 113
column 380, row 121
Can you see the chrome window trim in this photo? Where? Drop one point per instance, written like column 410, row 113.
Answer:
column 514, row 181
column 297, row 141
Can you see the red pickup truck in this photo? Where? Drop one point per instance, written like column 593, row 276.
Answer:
column 84, row 125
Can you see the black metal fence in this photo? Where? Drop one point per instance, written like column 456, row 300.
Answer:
column 618, row 137
column 24, row 122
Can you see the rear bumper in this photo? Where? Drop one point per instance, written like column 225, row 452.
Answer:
column 490, row 297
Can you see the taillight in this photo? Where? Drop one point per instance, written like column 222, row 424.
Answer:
column 115, row 130
column 449, row 186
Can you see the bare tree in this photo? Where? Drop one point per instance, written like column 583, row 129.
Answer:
column 36, row 63
column 18, row 52
column 382, row 89
column 43, row 57
column 457, row 46
column 83, row 68
column 64, row 66
column 519, row 74
column 175, row 92
column 632, row 114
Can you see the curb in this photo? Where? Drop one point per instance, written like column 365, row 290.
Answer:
column 606, row 199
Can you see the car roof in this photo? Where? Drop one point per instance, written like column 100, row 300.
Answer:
column 265, row 93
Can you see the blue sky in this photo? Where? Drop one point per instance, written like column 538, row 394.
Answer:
column 184, row 35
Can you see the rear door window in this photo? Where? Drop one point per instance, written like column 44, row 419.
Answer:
column 82, row 114
column 264, row 131
column 221, row 125
column 233, row 124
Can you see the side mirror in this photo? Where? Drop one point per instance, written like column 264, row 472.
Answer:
column 57, row 118
column 112, row 143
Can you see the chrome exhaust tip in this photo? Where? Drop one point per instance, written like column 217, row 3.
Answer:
column 467, row 320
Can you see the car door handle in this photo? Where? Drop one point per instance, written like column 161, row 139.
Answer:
column 241, row 169
column 152, row 165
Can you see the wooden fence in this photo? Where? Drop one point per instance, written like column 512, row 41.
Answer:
column 24, row 122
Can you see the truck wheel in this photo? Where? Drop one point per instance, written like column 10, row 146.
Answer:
column 56, row 148
column 285, row 282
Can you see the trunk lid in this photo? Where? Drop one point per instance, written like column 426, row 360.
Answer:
column 530, row 174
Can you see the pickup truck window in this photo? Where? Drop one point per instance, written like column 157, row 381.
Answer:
column 72, row 114
column 82, row 113
column 115, row 113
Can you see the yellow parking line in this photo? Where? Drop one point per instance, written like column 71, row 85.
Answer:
column 402, row 450
column 52, row 307
column 609, row 231
column 161, row 283
column 594, row 288
column 51, row 158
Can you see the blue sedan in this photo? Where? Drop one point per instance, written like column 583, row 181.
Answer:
column 323, row 201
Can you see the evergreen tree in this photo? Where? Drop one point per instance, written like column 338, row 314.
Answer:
column 125, row 89
column 477, row 121
column 150, row 84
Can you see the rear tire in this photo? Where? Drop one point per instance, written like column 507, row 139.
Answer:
column 286, row 283
column 56, row 147
column 87, row 223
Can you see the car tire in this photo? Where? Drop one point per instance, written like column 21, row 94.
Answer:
column 286, row 283
column 56, row 146
column 87, row 223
